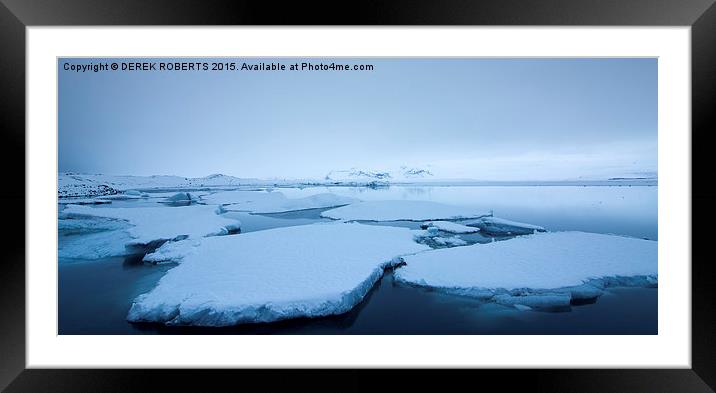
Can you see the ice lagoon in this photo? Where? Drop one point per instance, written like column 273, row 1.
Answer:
column 114, row 280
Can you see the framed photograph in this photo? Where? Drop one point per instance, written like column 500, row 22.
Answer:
column 464, row 186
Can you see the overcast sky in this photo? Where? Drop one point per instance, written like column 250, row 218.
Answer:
column 484, row 119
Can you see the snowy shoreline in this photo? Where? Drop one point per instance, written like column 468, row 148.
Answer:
column 75, row 185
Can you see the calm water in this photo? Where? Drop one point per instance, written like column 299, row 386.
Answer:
column 94, row 296
column 623, row 210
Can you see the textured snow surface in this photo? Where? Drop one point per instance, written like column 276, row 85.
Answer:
column 173, row 251
column 302, row 271
column 537, row 269
column 401, row 210
column 162, row 223
column 274, row 201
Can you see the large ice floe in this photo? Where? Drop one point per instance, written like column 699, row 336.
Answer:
column 156, row 224
column 274, row 201
column 540, row 270
column 402, row 210
column 501, row 227
column 302, row 271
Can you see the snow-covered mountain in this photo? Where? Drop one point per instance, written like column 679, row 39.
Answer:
column 415, row 173
column 71, row 184
column 91, row 185
column 363, row 176
column 354, row 174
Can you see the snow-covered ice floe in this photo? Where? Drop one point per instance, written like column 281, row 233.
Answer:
column 92, row 237
column 500, row 226
column 302, row 271
column 541, row 270
column 274, row 201
column 432, row 238
column 95, row 245
column 152, row 224
column 402, row 210
column 448, row 226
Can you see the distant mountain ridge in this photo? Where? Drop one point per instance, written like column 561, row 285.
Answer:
column 361, row 175
column 415, row 172
column 72, row 184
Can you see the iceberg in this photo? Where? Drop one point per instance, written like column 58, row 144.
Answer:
column 500, row 226
column 274, row 201
column 302, row 271
column 448, row 226
column 181, row 197
column 158, row 224
column 402, row 210
column 541, row 270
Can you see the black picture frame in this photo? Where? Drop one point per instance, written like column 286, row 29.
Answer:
column 16, row 15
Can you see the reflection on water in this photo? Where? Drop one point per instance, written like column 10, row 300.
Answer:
column 389, row 308
column 94, row 296
column 622, row 210
column 259, row 222
column 310, row 214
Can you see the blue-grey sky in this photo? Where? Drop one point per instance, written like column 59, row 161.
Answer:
column 484, row 119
